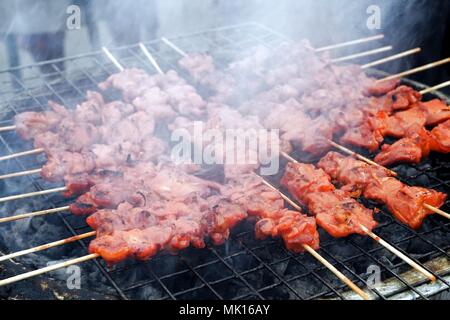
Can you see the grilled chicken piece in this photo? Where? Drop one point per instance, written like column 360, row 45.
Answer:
column 368, row 135
column 267, row 206
column 402, row 98
column 294, row 228
column 335, row 211
column 301, row 179
column 339, row 214
column 398, row 124
column 441, row 137
column 381, row 88
column 351, row 175
column 405, row 202
column 436, row 110
column 28, row 124
column 415, row 146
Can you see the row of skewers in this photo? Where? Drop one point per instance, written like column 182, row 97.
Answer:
column 263, row 221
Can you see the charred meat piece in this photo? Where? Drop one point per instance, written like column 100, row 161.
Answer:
column 415, row 146
column 368, row 135
column 301, row 179
column 404, row 202
column 273, row 220
column 296, row 229
column 398, row 124
column 351, row 175
column 441, row 137
column 436, row 111
column 339, row 214
column 335, row 211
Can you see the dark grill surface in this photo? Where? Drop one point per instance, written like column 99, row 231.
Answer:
column 243, row 268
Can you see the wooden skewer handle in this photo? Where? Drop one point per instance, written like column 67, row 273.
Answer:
column 174, row 47
column 437, row 210
column 21, row 154
column 350, row 43
column 33, row 214
column 32, row 194
column 57, row 266
column 436, row 87
column 399, row 254
column 337, row 273
column 361, row 54
column 20, row 174
column 47, row 246
column 415, row 70
column 7, row 128
column 390, row 58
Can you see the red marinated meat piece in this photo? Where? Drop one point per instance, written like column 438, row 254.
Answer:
column 339, row 214
column 381, row 88
column 301, row 179
column 436, row 110
column 335, row 211
column 398, row 124
column 296, row 229
column 351, row 175
column 415, row 146
column 404, row 202
column 441, row 137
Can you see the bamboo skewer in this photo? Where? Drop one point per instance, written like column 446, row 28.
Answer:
column 20, row 173
column 33, row 214
column 437, row 211
column 174, row 47
column 399, row 254
column 112, row 58
column 350, row 43
column 361, row 54
column 32, row 194
column 57, row 266
column 7, row 128
column 47, row 246
column 21, row 154
column 415, row 70
column 360, row 157
column 391, row 58
column 385, row 244
column 436, row 87
column 150, row 57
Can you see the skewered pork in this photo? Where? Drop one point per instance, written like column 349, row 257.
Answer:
column 335, row 211
column 405, row 202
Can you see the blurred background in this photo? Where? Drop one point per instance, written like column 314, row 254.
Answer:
column 37, row 30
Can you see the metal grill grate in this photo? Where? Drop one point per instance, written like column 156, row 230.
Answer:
column 243, row 268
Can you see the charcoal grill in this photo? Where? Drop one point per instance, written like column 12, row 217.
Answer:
column 242, row 268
